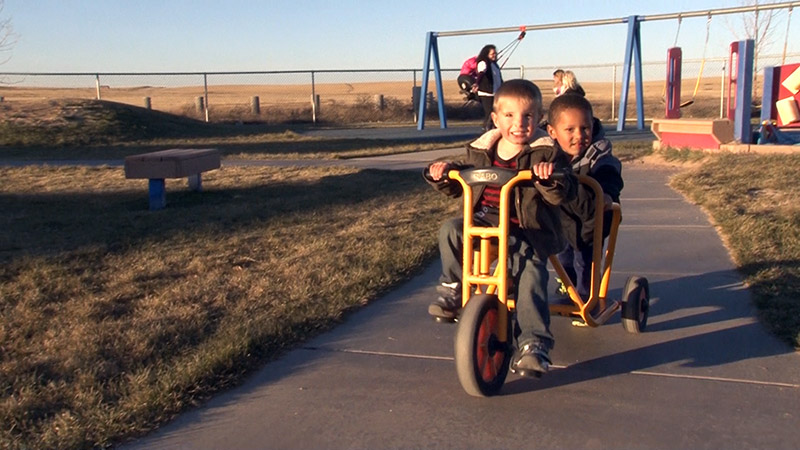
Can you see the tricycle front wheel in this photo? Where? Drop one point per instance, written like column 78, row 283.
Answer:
column 481, row 358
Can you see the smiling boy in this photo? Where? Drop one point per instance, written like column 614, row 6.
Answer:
column 580, row 136
column 535, row 228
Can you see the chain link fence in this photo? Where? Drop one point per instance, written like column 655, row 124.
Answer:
column 358, row 96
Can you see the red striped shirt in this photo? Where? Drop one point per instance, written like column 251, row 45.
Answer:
column 489, row 204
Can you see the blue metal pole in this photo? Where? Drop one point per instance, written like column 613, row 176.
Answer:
column 742, row 131
column 426, row 67
column 637, row 55
column 437, row 72
column 633, row 22
column 771, row 83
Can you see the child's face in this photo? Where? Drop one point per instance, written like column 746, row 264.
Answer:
column 573, row 131
column 516, row 119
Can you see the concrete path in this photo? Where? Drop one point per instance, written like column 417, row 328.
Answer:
column 704, row 374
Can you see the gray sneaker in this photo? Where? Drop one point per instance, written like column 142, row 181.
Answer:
column 448, row 304
column 531, row 360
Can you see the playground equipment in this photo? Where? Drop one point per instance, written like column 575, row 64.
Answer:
column 672, row 87
column 468, row 75
column 484, row 340
column 780, row 108
column 632, row 59
column 713, row 133
column 780, row 113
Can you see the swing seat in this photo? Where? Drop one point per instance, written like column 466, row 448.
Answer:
column 465, row 83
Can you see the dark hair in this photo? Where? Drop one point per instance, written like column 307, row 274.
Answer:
column 567, row 101
column 484, row 54
column 558, row 73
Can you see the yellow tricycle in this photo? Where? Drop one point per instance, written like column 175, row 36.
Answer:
column 484, row 341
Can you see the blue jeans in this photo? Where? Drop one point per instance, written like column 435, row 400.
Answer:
column 528, row 273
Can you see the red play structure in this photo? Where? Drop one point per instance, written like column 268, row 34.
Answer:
column 709, row 133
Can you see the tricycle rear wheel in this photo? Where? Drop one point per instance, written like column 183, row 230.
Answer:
column 635, row 304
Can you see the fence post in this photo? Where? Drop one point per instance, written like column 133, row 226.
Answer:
column 416, row 92
column 314, row 100
column 255, row 106
column 722, row 93
column 147, row 103
column 379, row 102
column 414, row 105
column 314, row 107
column 613, row 89
column 97, row 84
column 205, row 94
column 199, row 104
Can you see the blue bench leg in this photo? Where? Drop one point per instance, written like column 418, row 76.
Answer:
column 158, row 194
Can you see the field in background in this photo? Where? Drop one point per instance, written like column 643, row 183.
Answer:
column 389, row 101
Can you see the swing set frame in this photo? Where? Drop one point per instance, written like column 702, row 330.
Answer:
column 632, row 59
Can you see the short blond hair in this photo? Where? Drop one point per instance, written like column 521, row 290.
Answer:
column 569, row 80
column 520, row 89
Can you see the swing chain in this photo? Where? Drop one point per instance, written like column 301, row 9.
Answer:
column 708, row 32
column 512, row 46
column 678, row 31
column 786, row 39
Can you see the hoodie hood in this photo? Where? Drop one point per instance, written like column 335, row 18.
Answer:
column 597, row 155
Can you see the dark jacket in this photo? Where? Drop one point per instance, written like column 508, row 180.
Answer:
column 486, row 79
column 577, row 90
column 536, row 207
column 577, row 216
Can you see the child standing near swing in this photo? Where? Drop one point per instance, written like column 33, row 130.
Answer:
column 489, row 80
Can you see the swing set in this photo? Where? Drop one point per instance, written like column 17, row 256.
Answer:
column 631, row 61
column 702, row 61
column 468, row 77
column 671, row 95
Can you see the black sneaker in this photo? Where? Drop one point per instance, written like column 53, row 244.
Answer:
column 447, row 305
column 531, row 360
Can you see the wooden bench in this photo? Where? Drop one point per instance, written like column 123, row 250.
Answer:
column 172, row 163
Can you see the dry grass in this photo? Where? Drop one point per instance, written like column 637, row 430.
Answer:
column 114, row 318
column 92, row 129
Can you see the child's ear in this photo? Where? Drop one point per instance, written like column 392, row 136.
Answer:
column 551, row 131
column 494, row 119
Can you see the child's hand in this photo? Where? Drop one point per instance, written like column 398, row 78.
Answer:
column 438, row 170
column 543, row 170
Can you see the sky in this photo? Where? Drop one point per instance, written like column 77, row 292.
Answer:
column 107, row 36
